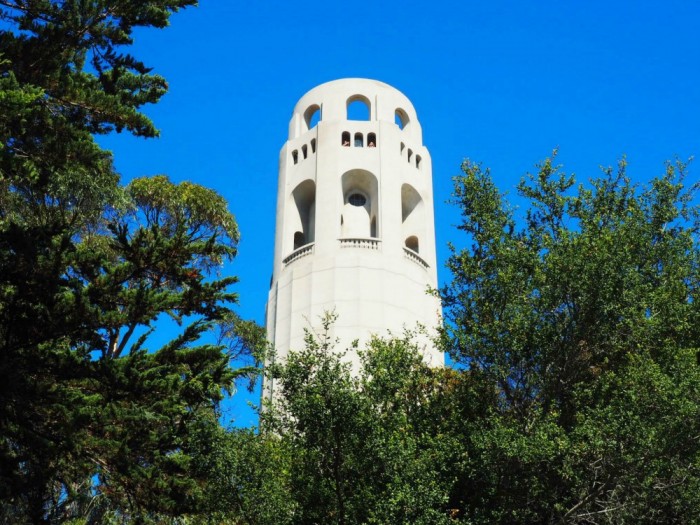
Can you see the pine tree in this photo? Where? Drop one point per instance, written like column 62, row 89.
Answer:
column 92, row 423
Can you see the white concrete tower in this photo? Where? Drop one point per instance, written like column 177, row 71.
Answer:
column 355, row 228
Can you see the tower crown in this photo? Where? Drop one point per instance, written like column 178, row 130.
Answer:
column 331, row 101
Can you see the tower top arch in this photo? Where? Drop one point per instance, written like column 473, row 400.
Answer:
column 331, row 100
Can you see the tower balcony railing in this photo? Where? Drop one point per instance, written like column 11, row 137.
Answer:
column 360, row 242
column 410, row 254
column 299, row 253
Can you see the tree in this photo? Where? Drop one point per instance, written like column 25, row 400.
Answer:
column 92, row 423
column 583, row 318
column 364, row 446
column 250, row 475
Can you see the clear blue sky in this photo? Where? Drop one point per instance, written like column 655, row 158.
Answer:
column 500, row 82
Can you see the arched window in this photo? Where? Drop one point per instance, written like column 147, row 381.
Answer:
column 313, row 145
column 304, row 151
column 359, row 140
column 418, row 161
column 412, row 217
column 295, row 156
column 301, row 215
column 403, row 147
column 400, row 118
column 360, row 210
column 371, row 140
column 312, row 116
column 358, row 108
column 345, row 139
column 355, row 219
column 410, row 154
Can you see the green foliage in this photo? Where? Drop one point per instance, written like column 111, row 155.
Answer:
column 322, row 414
column 361, row 448
column 94, row 426
column 251, row 474
column 584, row 320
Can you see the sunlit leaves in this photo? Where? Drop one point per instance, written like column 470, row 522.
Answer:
column 581, row 314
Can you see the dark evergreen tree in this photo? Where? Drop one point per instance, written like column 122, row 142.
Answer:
column 92, row 424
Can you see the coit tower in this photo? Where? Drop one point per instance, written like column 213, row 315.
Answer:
column 355, row 230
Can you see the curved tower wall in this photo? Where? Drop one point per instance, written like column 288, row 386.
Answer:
column 355, row 229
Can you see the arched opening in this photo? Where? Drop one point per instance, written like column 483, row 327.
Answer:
column 304, row 151
column 313, row 145
column 410, row 201
column 345, row 139
column 312, row 116
column 360, row 204
column 401, row 118
column 403, row 147
column 371, row 140
column 412, row 217
column 359, row 140
column 410, row 155
column 299, row 240
column 295, row 156
column 301, row 215
column 358, row 108
column 418, row 161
